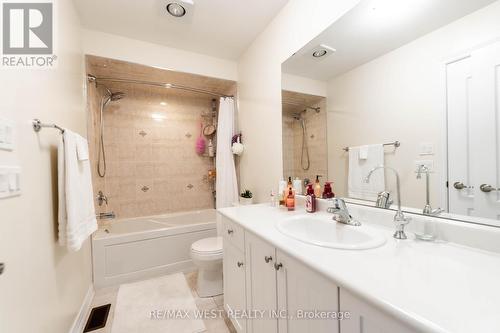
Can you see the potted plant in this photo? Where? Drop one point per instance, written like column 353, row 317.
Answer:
column 246, row 198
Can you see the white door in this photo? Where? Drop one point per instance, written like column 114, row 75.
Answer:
column 460, row 176
column 485, row 131
column 234, row 284
column 301, row 292
column 473, row 97
column 261, row 284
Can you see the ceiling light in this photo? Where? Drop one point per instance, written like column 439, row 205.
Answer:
column 163, row 103
column 322, row 50
column 319, row 53
column 176, row 9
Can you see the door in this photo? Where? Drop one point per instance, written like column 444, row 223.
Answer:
column 485, row 129
column 261, row 284
column 234, row 284
column 364, row 318
column 460, row 175
column 473, row 92
column 305, row 295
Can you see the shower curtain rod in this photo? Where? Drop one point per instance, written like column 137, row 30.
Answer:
column 95, row 79
column 317, row 109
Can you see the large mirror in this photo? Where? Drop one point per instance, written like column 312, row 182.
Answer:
column 411, row 85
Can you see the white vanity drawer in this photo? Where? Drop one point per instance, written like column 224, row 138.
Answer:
column 233, row 233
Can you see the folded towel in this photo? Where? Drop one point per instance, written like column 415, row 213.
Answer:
column 359, row 169
column 82, row 148
column 363, row 152
column 76, row 200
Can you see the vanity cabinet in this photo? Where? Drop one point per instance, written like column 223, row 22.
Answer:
column 260, row 279
column 367, row 319
column 284, row 287
column 234, row 272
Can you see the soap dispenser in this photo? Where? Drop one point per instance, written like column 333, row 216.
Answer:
column 317, row 187
column 290, row 200
column 310, row 199
column 327, row 191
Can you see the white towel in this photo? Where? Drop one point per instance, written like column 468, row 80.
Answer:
column 76, row 199
column 359, row 169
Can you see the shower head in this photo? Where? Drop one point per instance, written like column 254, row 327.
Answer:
column 117, row 96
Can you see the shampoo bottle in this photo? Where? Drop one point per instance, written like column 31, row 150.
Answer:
column 310, row 199
column 317, row 187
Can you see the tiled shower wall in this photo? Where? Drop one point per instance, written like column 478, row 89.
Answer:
column 316, row 140
column 152, row 166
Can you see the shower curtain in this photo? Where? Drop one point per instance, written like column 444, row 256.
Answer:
column 226, row 185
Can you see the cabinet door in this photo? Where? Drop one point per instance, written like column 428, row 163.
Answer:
column 303, row 291
column 261, row 284
column 234, row 284
column 364, row 318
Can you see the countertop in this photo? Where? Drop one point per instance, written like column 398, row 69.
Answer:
column 430, row 286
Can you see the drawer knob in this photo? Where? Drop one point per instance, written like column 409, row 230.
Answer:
column 239, row 264
column 268, row 259
column 230, row 231
column 278, row 266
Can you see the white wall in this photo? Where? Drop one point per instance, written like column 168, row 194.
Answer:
column 303, row 85
column 144, row 53
column 43, row 285
column 259, row 87
column 401, row 96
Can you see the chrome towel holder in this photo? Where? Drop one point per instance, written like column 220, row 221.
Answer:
column 396, row 144
column 38, row 125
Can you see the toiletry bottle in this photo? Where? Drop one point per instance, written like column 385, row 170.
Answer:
column 327, row 191
column 317, row 187
column 290, row 201
column 272, row 198
column 281, row 192
column 289, row 187
column 297, row 186
column 211, row 150
column 310, row 199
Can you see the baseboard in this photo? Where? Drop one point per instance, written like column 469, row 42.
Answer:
column 79, row 323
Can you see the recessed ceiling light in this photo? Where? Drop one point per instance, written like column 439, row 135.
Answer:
column 176, row 9
column 163, row 103
column 320, row 53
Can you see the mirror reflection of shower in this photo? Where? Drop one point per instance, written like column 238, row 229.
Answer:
column 101, row 159
column 305, row 162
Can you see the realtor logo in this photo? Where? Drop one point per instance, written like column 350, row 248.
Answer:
column 27, row 29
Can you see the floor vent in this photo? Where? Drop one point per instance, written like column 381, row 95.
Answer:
column 97, row 318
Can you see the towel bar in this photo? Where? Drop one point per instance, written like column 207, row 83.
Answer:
column 395, row 144
column 37, row 126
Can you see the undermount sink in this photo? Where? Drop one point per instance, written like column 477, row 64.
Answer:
column 322, row 231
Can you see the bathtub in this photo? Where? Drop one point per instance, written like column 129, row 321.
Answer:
column 132, row 249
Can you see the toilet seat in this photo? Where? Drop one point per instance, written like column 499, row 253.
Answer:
column 207, row 248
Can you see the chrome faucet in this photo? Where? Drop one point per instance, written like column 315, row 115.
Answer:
column 340, row 212
column 399, row 218
column 427, row 209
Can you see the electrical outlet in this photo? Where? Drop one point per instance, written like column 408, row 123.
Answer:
column 426, row 149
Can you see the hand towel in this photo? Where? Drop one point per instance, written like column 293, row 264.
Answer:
column 76, row 215
column 359, row 169
column 363, row 152
column 82, row 148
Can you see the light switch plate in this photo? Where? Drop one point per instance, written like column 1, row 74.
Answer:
column 426, row 149
column 7, row 134
column 10, row 181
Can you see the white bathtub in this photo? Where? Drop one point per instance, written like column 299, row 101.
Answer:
column 133, row 249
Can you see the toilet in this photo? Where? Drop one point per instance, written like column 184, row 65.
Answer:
column 207, row 256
